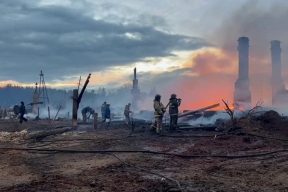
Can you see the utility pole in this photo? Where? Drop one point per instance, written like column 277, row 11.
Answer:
column 35, row 108
column 77, row 99
column 43, row 94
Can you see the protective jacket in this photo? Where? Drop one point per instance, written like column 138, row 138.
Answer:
column 159, row 109
column 173, row 107
column 86, row 110
column 103, row 107
column 92, row 111
column 22, row 109
column 126, row 110
column 107, row 112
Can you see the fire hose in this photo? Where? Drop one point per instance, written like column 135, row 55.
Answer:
column 147, row 152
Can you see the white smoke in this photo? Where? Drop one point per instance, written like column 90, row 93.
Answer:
column 209, row 120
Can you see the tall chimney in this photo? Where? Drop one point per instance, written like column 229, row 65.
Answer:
column 135, row 92
column 242, row 94
column 277, row 84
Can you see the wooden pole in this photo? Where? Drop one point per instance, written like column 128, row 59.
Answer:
column 79, row 83
column 35, row 102
column 95, row 120
column 57, row 113
column 49, row 115
column 75, row 107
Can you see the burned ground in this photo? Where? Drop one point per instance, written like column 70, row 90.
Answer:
column 57, row 171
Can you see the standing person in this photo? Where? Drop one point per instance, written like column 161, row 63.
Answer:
column 22, row 113
column 107, row 113
column 126, row 114
column 174, row 104
column 158, row 114
column 103, row 107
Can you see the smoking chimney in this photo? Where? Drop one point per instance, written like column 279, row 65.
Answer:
column 277, row 84
column 135, row 92
column 242, row 94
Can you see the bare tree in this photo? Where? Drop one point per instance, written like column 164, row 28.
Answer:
column 231, row 113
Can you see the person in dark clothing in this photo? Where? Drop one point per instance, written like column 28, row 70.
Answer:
column 16, row 110
column 174, row 103
column 92, row 111
column 107, row 113
column 84, row 112
column 22, row 113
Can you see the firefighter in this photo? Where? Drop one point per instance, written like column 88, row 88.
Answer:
column 103, row 107
column 158, row 114
column 174, row 104
column 127, row 111
column 84, row 112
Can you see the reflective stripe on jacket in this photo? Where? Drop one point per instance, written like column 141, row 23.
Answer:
column 159, row 108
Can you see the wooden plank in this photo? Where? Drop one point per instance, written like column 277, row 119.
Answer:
column 47, row 133
column 75, row 107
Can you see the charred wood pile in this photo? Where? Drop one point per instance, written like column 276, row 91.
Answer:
column 250, row 121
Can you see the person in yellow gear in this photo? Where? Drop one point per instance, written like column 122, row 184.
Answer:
column 127, row 111
column 158, row 114
column 103, row 107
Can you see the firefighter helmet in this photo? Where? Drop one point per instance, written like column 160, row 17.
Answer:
column 157, row 97
column 173, row 96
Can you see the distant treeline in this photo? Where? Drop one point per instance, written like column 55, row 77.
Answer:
column 11, row 95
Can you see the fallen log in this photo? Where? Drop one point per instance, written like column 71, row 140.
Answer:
column 194, row 112
column 207, row 128
column 198, row 110
column 47, row 133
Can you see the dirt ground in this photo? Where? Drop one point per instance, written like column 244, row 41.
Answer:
column 58, row 171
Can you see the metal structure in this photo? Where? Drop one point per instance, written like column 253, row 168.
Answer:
column 43, row 94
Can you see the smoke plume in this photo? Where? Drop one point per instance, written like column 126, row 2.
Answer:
column 216, row 69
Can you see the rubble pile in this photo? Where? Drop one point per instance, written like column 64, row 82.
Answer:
column 270, row 117
column 269, row 120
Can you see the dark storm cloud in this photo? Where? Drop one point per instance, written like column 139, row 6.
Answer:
column 65, row 41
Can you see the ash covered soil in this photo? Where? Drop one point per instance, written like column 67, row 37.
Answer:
column 58, row 171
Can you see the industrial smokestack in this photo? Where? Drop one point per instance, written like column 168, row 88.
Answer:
column 242, row 94
column 277, row 84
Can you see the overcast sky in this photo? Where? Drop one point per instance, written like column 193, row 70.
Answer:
column 71, row 38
